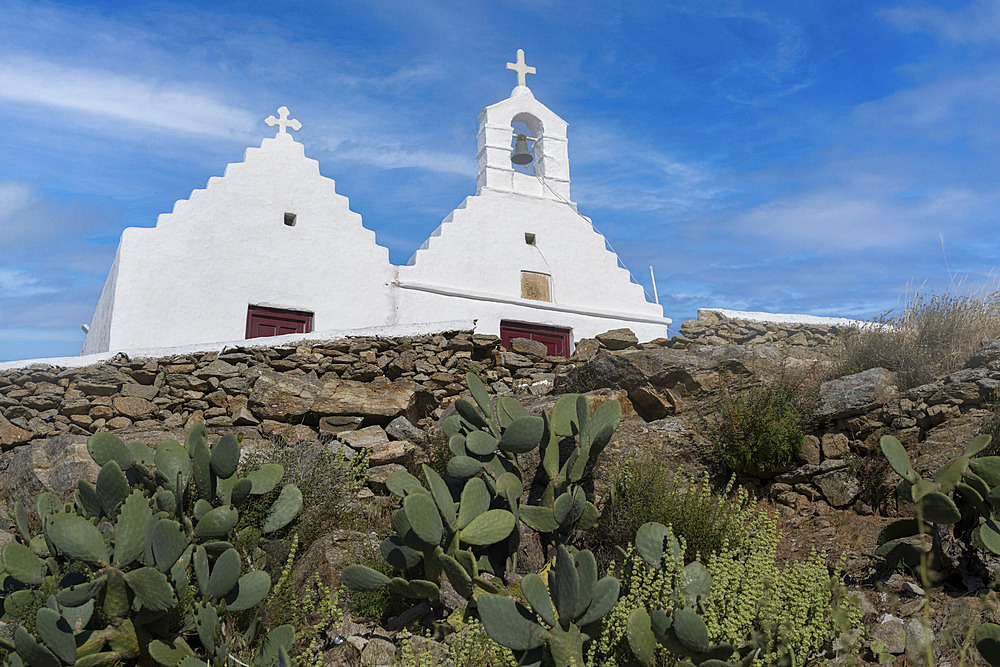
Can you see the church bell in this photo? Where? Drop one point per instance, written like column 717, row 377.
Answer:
column 521, row 155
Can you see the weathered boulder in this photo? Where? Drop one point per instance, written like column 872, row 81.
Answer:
column 985, row 355
column 380, row 400
column 618, row 339
column 585, row 349
column 400, row 428
column 854, row 394
column 132, row 406
column 890, row 634
column 366, row 438
column 809, row 450
column 835, row 446
column 327, row 556
column 532, row 348
column 839, row 487
column 655, row 379
column 277, row 396
column 11, row 435
column 54, row 465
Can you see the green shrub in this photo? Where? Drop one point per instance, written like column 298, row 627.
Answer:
column 643, row 587
column 330, row 484
column 928, row 338
column 471, row 647
column 792, row 611
column 647, row 490
column 759, row 430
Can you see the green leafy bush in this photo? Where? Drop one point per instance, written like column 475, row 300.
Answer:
column 647, row 490
column 792, row 611
column 330, row 484
column 759, row 430
column 114, row 566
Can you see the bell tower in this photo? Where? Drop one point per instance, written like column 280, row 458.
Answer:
column 550, row 179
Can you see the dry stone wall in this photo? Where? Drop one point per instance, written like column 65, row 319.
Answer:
column 714, row 328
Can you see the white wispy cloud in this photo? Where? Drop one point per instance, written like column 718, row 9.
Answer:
column 860, row 216
column 387, row 154
column 977, row 23
column 13, row 197
column 171, row 105
column 18, row 284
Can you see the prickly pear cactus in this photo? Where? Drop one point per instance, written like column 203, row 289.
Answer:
column 137, row 554
column 463, row 526
column 568, row 608
column 975, row 479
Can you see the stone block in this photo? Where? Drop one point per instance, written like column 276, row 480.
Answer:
column 835, row 446
column 855, row 394
column 618, row 339
column 809, row 450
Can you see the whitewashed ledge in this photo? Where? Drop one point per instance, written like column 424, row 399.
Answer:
column 386, row 331
column 783, row 318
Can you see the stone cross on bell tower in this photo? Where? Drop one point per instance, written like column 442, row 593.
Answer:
column 550, row 169
column 283, row 122
column 521, row 68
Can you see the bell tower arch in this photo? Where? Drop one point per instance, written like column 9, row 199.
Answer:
column 548, row 132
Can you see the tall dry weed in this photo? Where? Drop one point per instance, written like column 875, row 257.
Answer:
column 927, row 337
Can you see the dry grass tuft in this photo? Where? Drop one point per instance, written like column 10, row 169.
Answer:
column 928, row 337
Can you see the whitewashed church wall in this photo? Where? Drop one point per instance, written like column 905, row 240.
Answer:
column 99, row 334
column 191, row 278
column 417, row 299
column 481, row 248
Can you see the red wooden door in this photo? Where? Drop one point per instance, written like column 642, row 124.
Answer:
column 263, row 321
column 556, row 339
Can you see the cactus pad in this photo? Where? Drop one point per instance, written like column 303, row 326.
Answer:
column 508, row 625
column 522, row 435
column 488, row 528
column 361, row 578
column 284, row 509
column 251, row 589
column 104, row 447
column 77, row 538
column 22, row 564
column 422, row 515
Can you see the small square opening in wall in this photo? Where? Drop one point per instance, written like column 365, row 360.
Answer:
column 529, row 238
column 290, row 219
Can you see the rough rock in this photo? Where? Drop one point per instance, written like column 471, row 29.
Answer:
column 400, row 428
column 374, row 399
column 618, row 339
column 132, row 406
column 839, row 487
column 12, row 435
column 54, row 465
column 809, row 450
column 365, row 438
column 835, row 446
column 278, row 396
column 334, row 424
column 378, row 652
column 890, row 634
column 585, row 349
column 327, row 556
column 854, row 394
column 526, row 346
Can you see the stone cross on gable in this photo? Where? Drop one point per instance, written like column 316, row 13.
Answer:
column 283, row 121
column 521, row 68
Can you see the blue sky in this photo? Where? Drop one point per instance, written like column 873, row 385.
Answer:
column 800, row 157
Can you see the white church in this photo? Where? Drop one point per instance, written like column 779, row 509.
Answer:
column 271, row 248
